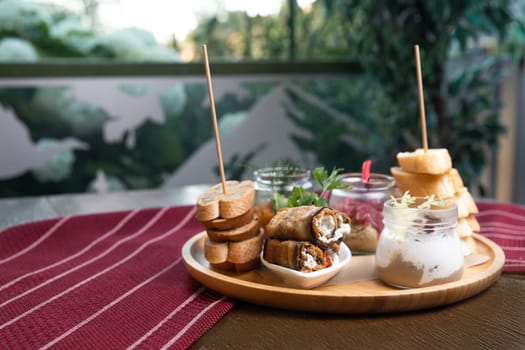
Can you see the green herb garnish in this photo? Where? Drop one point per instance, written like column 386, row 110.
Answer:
column 300, row 197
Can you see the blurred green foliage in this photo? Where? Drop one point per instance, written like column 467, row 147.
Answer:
column 464, row 44
column 464, row 47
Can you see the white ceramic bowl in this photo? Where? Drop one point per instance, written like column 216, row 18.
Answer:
column 309, row 280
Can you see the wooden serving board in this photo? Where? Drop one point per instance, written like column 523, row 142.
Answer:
column 354, row 290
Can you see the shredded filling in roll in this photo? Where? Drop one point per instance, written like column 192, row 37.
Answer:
column 298, row 255
column 330, row 227
column 311, row 258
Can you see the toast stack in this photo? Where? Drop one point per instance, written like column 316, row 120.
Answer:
column 431, row 173
column 233, row 233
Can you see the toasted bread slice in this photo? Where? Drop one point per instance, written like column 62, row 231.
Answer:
column 473, row 223
column 228, row 224
column 456, row 179
column 463, row 228
column 215, row 252
column 225, row 266
column 214, row 204
column 242, row 233
column 422, row 185
column 435, row 161
column 247, row 266
column 462, row 203
column 245, row 251
column 465, row 203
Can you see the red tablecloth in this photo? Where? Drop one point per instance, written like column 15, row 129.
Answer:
column 116, row 280
column 505, row 225
column 109, row 281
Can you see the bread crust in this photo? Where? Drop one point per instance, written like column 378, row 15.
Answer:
column 231, row 267
column 240, row 256
column 473, row 223
column 225, row 266
column 247, row 250
column 247, row 266
column 214, row 204
column 422, row 185
column 215, row 252
column 228, row 224
column 241, row 233
column 434, row 161
column 456, row 179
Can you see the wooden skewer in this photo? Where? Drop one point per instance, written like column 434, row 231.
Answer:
column 214, row 118
column 421, row 100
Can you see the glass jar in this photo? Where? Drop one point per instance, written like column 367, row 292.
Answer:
column 363, row 203
column 419, row 247
column 281, row 180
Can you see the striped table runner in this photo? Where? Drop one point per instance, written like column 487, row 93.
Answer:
column 116, row 280
column 505, row 225
column 113, row 281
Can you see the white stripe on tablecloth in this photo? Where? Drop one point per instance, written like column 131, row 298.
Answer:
column 500, row 212
column 510, row 237
column 506, row 247
column 171, row 314
column 117, row 264
column 107, row 306
column 150, row 223
column 38, row 241
column 82, row 251
column 195, row 319
column 501, row 226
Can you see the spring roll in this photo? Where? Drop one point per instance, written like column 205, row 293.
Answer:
column 298, row 255
column 322, row 226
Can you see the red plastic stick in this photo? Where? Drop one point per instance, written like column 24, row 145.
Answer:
column 365, row 171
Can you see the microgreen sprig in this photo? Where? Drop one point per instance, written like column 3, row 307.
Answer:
column 408, row 201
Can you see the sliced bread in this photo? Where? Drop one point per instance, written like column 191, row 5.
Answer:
column 236, row 234
column 455, row 177
column 473, row 223
column 247, row 250
column 467, row 201
column 215, row 252
column 214, row 203
column 433, row 161
column 228, row 224
column 422, row 185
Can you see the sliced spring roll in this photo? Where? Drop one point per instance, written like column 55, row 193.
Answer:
column 321, row 226
column 298, row 255
column 330, row 226
column 292, row 223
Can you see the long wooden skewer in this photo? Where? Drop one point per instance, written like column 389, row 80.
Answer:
column 214, row 118
column 421, row 100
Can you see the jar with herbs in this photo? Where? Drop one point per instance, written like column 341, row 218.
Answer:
column 281, row 180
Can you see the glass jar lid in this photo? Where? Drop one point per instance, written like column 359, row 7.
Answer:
column 376, row 183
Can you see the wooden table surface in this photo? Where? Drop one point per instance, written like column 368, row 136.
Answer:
column 494, row 319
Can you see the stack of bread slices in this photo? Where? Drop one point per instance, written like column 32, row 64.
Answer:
column 234, row 237
column 431, row 173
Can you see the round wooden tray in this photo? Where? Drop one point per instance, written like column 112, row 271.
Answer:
column 354, row 290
